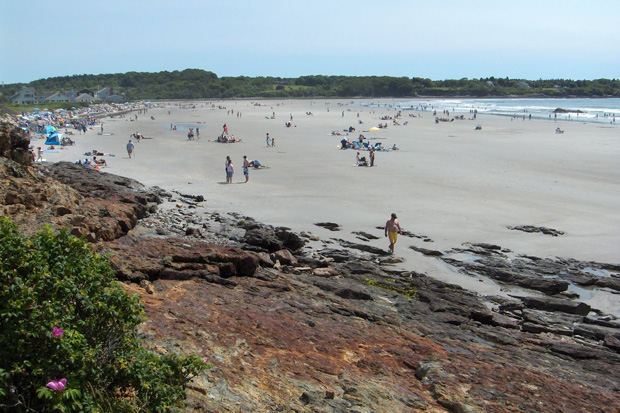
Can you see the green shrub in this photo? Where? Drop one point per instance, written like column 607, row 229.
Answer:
column 63, row 316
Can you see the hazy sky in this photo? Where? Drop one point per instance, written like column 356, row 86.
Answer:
column 445, row 39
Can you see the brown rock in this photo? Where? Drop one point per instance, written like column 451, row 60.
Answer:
column 612, row 342
column 285, row 257
column 265, row 259
column 325, row 272
column 148, row 287
column 62, row 211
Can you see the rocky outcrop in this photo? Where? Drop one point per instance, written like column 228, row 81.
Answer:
column 14, row 142
column 92, row 205
column 548, row 275
column 137, row 259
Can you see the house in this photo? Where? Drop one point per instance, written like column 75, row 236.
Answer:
column 42, row 97
column 58, row 97
column 115, row 98
column 71, row 95
column 84, row 98
column 86, row 91
column 24, row 97
column 523, row 83
column 104, row 93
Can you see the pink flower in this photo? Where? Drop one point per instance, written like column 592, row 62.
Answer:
column 206, row 360
column 57, row 332
column 58, row 385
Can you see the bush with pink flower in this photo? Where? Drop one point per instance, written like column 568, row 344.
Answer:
column 69, row 340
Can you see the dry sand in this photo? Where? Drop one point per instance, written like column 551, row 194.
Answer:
column 448, row 181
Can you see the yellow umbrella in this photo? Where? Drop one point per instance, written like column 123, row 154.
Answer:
column 374, row 128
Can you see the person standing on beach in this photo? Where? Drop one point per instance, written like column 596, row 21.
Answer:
column 230, row 170
column 268, row 141
column 392, row 229
column 129, row 148
column 246, row 167
column 372, row 156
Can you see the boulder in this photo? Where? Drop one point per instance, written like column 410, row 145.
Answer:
column 556, row 304
column 284, row 256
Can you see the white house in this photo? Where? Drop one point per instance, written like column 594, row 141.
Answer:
column 84, row 98
column 24, row 97
column 57, row 97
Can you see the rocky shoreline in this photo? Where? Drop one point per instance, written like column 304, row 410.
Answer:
column 332, row 326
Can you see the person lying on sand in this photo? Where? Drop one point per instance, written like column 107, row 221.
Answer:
column 99, row 161
column 256, row 164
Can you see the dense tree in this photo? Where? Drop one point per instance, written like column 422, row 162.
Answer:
column 201, row 84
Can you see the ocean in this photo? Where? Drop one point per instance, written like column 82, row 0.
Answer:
column 595, row 110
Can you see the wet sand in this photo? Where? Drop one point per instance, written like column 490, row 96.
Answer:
column 448, row 182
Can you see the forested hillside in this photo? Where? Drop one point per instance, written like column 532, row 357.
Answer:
column 201, row 84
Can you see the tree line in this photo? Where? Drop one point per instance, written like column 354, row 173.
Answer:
column 201, row 84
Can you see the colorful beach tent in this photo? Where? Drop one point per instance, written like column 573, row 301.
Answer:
column 53, row 139
column 49, row 129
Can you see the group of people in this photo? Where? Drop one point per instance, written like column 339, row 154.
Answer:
column 230, row 168
column 270, row 141
column 228, row 139
column 190, row 134
column 361, row 160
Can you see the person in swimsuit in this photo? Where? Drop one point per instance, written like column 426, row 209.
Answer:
column 392, row 229
column 246, row 170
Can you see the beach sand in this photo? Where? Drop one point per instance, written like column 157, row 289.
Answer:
column 448, row 182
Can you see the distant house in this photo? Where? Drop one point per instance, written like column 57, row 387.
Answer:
column 104, row 93
column 86, row 91
column 490, row 83
column 24, row 97
column 42, row 97
column 85, row 98
column 107, row 95
column 58, row 97
column 71, row 95
column 115, row 98
column 523, row 83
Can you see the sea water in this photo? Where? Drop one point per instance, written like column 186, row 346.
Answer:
column 597, row 110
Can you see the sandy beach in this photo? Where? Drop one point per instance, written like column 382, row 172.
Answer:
column 449, row 183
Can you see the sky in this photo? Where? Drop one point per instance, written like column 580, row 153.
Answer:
column 543, row 39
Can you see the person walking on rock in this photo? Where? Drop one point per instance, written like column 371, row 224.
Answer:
column 392, row 229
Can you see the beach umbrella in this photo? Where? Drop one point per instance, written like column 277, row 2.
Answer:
column 374, row 128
